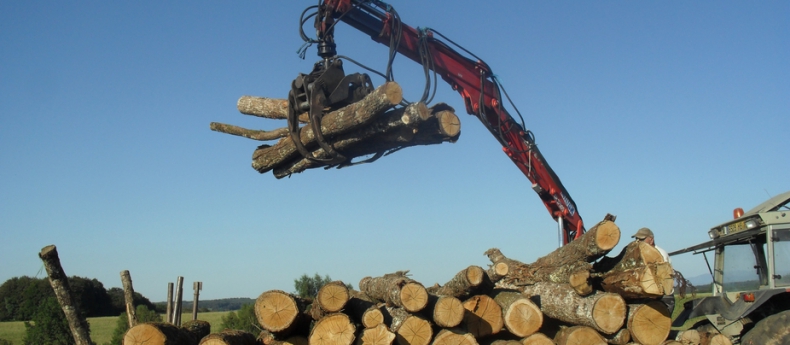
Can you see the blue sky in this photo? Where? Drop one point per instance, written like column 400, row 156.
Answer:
column 667, row 114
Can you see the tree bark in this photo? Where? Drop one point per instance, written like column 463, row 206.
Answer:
column 605, row 312
column 364, row 309
column 649, row 323
column 333, row 329
column 579, row 335
column 280, row 312
column 254, row 134
column 229, row 337
column 483, row 316
column 60, row 284
column 272, row 108
column 396, row 289
column 520, row 315
column 128, row 295
column 157, row 333
column 378, row 335
column 337, row 122
column 197, row 329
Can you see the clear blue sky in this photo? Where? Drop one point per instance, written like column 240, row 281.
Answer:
column 668, row 114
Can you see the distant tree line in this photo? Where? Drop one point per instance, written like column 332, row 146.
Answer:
column 21, row 297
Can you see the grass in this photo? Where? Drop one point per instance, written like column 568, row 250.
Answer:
column 103, row 327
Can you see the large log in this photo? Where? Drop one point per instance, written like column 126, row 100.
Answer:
column 445, row 311
column 567, row 264
column 378, row 335
column 649, row 323
column 364, row 309
column 340, row 121
column 333, row 296
column 520, row 315
column 229, row 337
column 155, row 333
column 60, row 285
column 396, row 289
column 464, row 284
column 537, row 339
column 605, row 312
column 333, row 329
column 483, row 316
column 579, row 335
column 639, row 271
column 280, row 312
column 448, row 336
column 410, row 329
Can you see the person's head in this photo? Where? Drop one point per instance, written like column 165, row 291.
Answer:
column 646, row 235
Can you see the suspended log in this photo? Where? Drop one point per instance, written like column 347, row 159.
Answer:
column 567, row 264
column 254, row 134
column 155, row 333
column 605, row 312
column 272, row 108
column 197, row 329
column 410, row 329
column 389, row 132
column 649, row 323
column 333, row 329
column 483, row 316
column 520, row 315
column 537, row 339
column 639, row 271
column 579, row 335
column 454, row 337
column 229, row 337
column 464, row 284
column 396, row 289
column 378, row 335
column 340, row 121
column 280, row 312
column 60, row 285
column 445, row 311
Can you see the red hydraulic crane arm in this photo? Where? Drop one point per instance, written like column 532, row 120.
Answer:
column 475, row 82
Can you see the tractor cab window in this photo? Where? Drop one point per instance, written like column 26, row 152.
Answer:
column 741, row 268
column 782, row 257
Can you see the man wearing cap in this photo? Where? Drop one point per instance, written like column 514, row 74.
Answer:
column 646, row 235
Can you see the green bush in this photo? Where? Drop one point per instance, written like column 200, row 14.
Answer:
column 122, row 324
column 5, row 342
column 49, row 325
column 244, row 319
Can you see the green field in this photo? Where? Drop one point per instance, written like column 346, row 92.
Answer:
column 102, row 327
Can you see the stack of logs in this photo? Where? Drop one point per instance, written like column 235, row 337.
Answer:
column 574, row 295
column 373, row 126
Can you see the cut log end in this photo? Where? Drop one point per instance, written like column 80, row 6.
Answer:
column 372, row 317
column 228, row 337
column 454, row 337
column 393, row 92
column 501, row 269
column 414, row 331
column 523, row 318
column 579, row 335
column 607, row 236
column 378, row 335
column 537, row 339
column 609, row 312
column 649, row 323
column 449, row 123
column 483, row 317
column 475, row 275
column 332, row 297
column 413, row 297
column 334, row 329
column 276, row 310
column 448, row 312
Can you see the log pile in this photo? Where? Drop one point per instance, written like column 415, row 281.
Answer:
column 374, row 127
column 573, row 295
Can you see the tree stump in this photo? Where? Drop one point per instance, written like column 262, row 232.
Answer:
column 605, row 312
column 483, row 316
column 537, row 339
column 520, row 315
column 409, row 329
column 378, row 335
column 333, row 329
column 155, row 333
column 397, row 290
column 579, row 335
column 280, row 312
column 229, row 337
column 649, row 323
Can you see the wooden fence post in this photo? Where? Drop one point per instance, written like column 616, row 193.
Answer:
column 169, row 312
column 197, row 286
column 128, row 294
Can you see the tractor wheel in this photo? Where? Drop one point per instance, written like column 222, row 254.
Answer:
column 772, row 330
